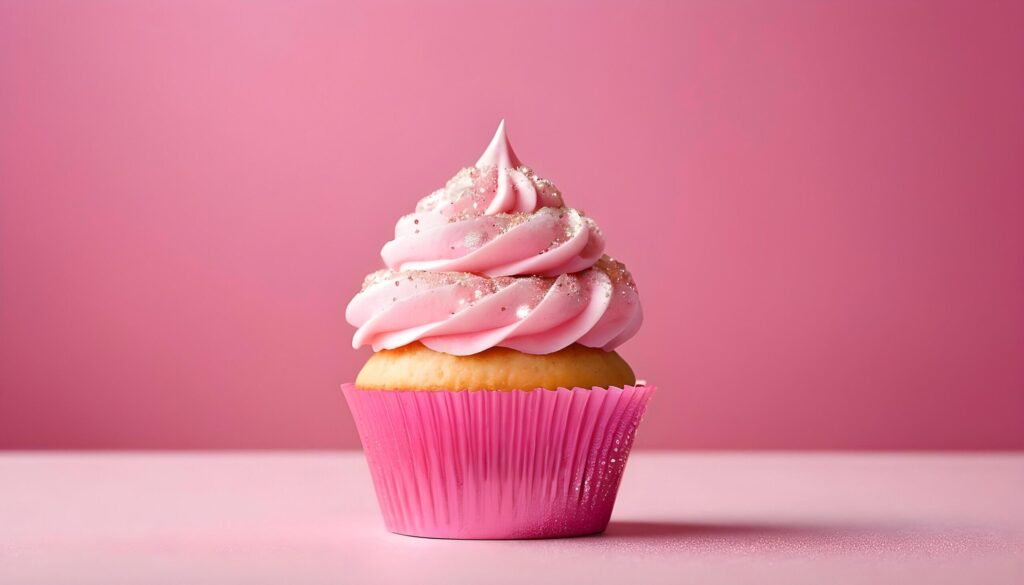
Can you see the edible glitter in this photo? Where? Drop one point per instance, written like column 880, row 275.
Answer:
column 471, row 191
column 472, row 240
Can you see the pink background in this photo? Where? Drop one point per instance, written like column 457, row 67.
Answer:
column 822, row 202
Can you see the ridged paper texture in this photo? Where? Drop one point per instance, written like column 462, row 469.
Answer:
column 497, row 464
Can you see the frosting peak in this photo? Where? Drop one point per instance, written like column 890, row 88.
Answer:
column 499, row 152
column 497, row 218
column 514, row 187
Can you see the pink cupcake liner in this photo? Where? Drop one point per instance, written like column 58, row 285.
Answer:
column 497, row 464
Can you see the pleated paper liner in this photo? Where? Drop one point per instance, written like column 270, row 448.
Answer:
column 497, row 464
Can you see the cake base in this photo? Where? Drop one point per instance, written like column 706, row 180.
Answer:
column 498, row 368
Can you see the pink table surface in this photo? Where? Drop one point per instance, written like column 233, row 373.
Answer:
column 710, row 518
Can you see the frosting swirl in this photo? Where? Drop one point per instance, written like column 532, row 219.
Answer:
column 463, row 314
column 495, row 258
column 547, row 242
column 497, row 218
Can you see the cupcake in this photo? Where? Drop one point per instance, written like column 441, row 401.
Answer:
column 495, row 405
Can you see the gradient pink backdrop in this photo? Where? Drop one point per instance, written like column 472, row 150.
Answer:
column 822, row 202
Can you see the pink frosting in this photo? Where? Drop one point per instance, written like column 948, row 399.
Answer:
column 496, row 218
column 547, row 242
column 495, row 259
column 462, row 314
